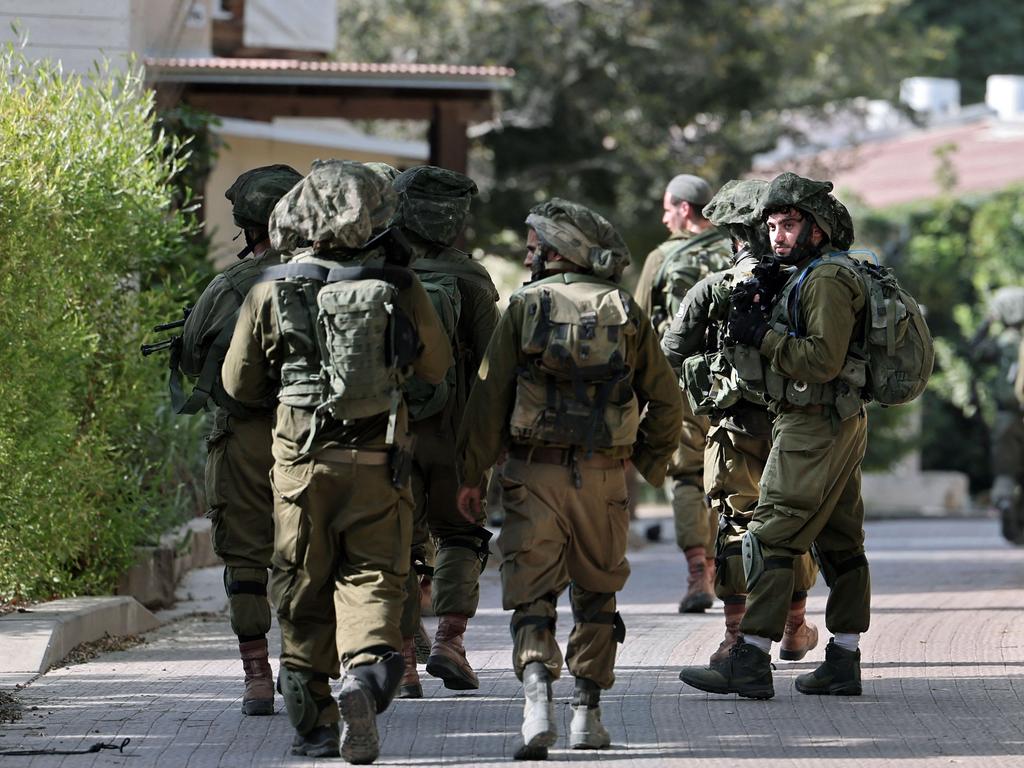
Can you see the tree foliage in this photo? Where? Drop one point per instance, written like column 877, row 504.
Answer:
column 91, row 463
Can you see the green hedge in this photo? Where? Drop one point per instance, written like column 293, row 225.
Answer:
column 91, row 462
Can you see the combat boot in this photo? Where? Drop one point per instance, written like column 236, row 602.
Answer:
column 322, row 741
column 800, row 636
column 258, row 698
column 747, row 671
column 410, row 687
column 422, row 639
column 447, row 658
column 360, row 743
column 838, row 675
column 733, row 616
column 539, row 729
column 586, row 730
column 697, row 598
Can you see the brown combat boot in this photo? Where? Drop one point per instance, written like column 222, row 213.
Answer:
column 410, row 687
column 800, row 636
column 710, row 571
column 448, row 655
column 733, row 616
column 697, row 598
column 258, row 698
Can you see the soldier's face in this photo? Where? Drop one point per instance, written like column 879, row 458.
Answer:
column 675, row 215
column 784, row 229
column 532, row 246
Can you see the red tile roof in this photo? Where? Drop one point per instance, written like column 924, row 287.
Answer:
column 337, row 67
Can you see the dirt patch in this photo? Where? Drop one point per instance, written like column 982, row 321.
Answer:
column 10, row 708
column 107, row 644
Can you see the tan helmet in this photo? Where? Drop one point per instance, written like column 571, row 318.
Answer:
column 580, row 235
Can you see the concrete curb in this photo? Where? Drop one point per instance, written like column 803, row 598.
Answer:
column 159, row 569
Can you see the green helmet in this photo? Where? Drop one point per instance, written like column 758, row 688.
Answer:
column 787, row 190
column 389, row 172
column 339, row 205
column 433, row 202
column 737, row 208
column 255, row 193
column 1007, row 305
column 580, row 235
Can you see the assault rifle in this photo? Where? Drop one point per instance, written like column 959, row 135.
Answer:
column 172, row 342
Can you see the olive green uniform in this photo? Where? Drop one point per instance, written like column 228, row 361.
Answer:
column 704, row 253
column 810, row 491
column 562, row 529
column 238, row 463
column 740, row 437
column 342, row 530
column 458, row 561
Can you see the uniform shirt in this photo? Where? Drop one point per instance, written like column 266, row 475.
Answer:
column 485, row 432
column 251, row 373
column 831, row 312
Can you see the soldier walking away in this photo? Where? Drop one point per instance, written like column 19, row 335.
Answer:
column 810, row 492
column 695, row 249
column 560, row 389
column 239, row 460
column 697, row 344
column 432, row 208
column 333, row 333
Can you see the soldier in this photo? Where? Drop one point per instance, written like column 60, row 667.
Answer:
column 560, row 389
column 332, row 333
column 239, row 460
column 694, row 249
column 741, row 434
column 433, row 204
column 810, row 490
column 1001, row 349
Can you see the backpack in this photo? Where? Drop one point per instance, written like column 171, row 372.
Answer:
column 347, row 346
column 686, row 262
column 576, row 388
column 425, row 400
column 896, row 346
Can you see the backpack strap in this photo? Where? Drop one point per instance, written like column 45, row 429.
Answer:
column 400, row 277
column 295, row 269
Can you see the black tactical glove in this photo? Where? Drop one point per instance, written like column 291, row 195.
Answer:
column 748, row 326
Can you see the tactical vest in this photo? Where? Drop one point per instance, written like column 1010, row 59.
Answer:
column 576, row 386
column 686, row 261
column 347, row 345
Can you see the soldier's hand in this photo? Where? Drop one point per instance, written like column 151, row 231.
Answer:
column 748, row 327
column 468, row 502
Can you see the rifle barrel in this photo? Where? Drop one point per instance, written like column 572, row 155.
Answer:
column 168, row 326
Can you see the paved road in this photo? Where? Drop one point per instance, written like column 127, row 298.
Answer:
column 943, row 682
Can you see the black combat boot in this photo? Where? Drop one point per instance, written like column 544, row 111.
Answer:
column 838, row 675
column 746, row 671
column 322, row 741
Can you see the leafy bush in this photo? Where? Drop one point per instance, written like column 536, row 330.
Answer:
column 91, row 462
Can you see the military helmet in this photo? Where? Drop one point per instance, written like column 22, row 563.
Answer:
column 385, row 170
column 737, row 208
column 787, row 190
column 580, row 235
column 433, row 202
column 255, row 193
column 339, row 205
column 1007, row 305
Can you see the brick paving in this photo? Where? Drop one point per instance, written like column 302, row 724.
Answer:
column 943, row 682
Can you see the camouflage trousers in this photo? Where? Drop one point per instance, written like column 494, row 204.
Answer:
column 733, row 464
column 556, row 535
column 810, row 495
column 695, row 525
column 241, row 508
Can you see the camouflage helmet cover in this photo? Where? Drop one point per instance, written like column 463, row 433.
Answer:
column 582, row 236
column 787, row 190
column 255, row 193
column 1007, row 305
column 339, row 205
column 737, row 207
column 385, row 170
column 433, row 202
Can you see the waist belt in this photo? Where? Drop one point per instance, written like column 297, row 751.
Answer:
column 563, row 457
column 789, row 408
column 353, row 456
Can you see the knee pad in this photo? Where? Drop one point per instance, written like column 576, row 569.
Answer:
column 755, row 563
column 382, row 678
column 834, row 565
column 586, row 609
column 303, row 709
column 476, row 540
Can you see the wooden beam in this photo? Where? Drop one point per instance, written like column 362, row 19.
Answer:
column 449, row 144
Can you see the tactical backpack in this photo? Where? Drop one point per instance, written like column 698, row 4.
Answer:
column 347, row 346
column 892, row 359
column 686, row 262
column 576, row 388
column 425, row 400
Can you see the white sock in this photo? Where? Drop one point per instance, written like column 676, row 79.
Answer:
column 763, row 643
column 850, row 641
